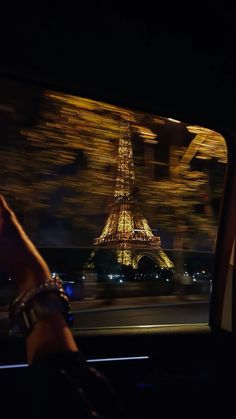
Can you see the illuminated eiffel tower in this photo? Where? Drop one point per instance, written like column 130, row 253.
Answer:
column 126, row 229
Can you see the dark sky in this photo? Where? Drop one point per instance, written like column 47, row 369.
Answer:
column 165, row 56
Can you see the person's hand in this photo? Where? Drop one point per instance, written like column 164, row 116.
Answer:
column 20, row 258
column 18, row 255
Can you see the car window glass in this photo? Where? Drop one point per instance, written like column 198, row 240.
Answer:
column 123, row 205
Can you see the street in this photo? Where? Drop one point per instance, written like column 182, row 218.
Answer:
column 159, row 314
column 154, row 314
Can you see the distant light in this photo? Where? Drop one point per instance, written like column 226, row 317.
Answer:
column 6, row 367
column 69, row 290
column 174, row 120
column 9, row 278
column 167, row 279
column 203, row 157
column 149, row 141
column 120, row 280
column 83, row 277
column 203, row 272
column 110, row 276
column 125, row 358
column 147, row 134
column 6, row 108
column 157, row 276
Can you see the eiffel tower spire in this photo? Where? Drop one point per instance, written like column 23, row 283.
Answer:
column 125, row 179
column 126, row 229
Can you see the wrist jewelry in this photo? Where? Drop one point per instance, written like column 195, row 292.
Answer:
column 39, row 303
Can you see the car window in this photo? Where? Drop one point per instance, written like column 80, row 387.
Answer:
column 123, row 205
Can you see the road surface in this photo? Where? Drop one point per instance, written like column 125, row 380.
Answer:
column 155, row 314
column 159, row 314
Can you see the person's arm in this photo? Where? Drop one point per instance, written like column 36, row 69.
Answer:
column 20, row 258
column 49, row 335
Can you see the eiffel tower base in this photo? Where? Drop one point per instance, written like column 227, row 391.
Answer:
column 110, row 262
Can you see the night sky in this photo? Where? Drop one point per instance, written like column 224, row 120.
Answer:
column 156, row 55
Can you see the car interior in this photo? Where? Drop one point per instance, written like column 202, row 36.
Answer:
column 157, row 370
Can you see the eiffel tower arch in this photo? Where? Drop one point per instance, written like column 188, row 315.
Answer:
column 140, row 255
column 159, row 258
column 126, row 230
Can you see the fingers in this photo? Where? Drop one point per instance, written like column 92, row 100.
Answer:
column 4, row 206
column 8, row 219
column 10, row 228
column 5, row 213
column 13, row 231
column 18, row 255
column 3, row 203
